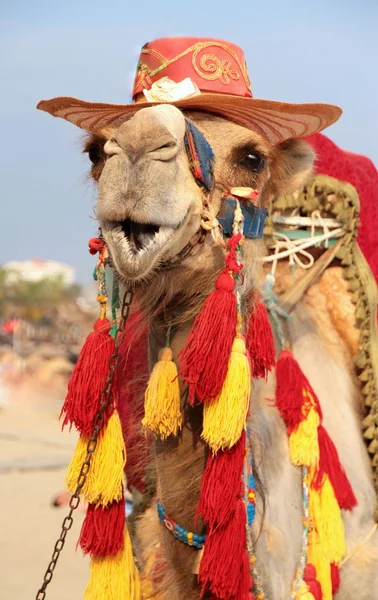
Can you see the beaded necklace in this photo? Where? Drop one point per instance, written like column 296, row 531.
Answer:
column 197, row 541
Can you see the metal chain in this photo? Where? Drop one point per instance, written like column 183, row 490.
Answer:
column 98, row 424
column 176, row 260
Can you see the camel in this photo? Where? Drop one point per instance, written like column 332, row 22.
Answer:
column 149, row 209
column 158, row 193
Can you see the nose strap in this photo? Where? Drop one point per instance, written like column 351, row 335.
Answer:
column 200, row 154
column 254, row 217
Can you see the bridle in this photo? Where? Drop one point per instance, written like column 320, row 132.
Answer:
column 201, row 159
column 190, row 249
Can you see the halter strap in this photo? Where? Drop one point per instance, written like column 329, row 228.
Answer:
column 254, row 217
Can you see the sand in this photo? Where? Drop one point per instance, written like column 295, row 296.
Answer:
column 33, row 457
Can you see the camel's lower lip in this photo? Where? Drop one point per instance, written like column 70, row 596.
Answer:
column 136, row 247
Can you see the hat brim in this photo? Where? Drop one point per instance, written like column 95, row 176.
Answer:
column 275, row 121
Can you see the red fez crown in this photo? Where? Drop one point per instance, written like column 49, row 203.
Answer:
column 213, row 65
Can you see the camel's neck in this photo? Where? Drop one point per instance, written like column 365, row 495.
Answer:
column 179, row 463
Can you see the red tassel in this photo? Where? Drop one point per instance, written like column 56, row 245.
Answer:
column 221, row 483
column 310, row 578
column 291, row 381
column 96, row 245
column 102, row 533
column 222, row 565
column 246, row 581
column 260, row 341
column 204, row 358
column 335, row 577
column 329, row 464
column 88, row 380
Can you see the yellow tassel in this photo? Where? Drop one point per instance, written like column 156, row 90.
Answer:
column 114, row 577
column 327, row 538
column 303, row 593
column 162, row 398
column 325, row 513
column 105, row 477
column 304, row 446
column 317, row 558
column 224, row 417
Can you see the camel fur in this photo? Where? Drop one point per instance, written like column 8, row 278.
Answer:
column 144, row 177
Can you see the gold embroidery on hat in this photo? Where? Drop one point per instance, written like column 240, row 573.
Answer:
column 142, row 77
column 214, row 68
column 217, row 70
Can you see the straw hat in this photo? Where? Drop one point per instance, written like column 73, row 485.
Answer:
column 199, row 74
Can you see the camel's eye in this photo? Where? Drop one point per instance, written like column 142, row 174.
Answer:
column 254, row 161
column 95, row 154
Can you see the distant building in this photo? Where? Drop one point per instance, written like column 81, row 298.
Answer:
column 36, row 270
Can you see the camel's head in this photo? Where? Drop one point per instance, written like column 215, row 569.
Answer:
column 149, row 204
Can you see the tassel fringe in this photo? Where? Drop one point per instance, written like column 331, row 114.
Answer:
column 325, row 513
column 224, row 417
column 102, row 533
column 291, row 382
column 330, row 464
column 260, row 341
column 114, row 578
column 105, row 477
column 88, row 379
column 204, row 358
column 304, row 447
column 162, row 398
column 220, row 484
column 222, row 565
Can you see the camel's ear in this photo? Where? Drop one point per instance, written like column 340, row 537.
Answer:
column 291, row 164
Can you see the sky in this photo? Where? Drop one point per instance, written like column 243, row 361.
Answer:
column 296, row 51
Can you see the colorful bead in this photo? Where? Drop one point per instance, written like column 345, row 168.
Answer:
column 251, row 495
column 181, row 534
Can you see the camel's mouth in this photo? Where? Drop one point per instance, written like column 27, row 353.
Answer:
column 139, row 235
column 135, row 246
column 138, row 238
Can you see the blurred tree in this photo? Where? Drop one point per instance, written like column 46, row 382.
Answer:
column 34, row 300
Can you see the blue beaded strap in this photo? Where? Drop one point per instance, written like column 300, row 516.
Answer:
column 181, row 534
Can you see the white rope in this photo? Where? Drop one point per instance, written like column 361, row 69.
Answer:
column 317, row 218
column 294, row 258
column 295, row 247
column 303, row 221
